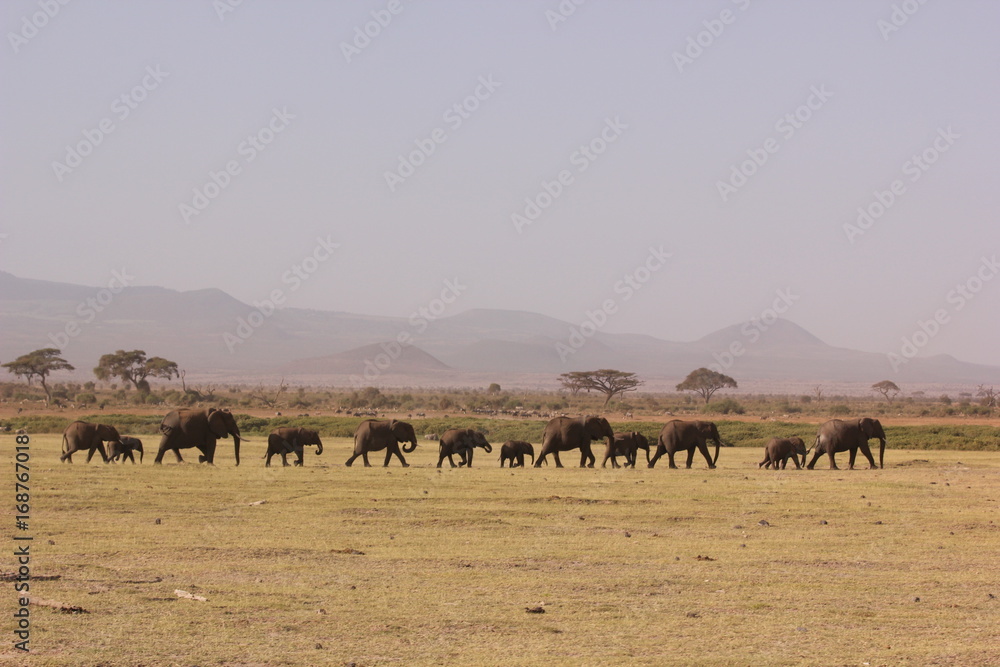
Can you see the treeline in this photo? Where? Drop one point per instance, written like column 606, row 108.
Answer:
column 964, row 437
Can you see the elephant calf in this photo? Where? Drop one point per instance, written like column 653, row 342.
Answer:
column 779, row 450
column 124, row 450
column 514, row 451
column 285, row 441
column 461, row 441
column 627, row 445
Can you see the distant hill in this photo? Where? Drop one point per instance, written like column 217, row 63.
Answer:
column 209, row 332
column 377, row 359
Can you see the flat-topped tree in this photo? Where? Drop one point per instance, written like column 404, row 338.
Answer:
column 706, row 382
column 40, row 364
column 606, row 381
column 887, row 388
column 134, row 367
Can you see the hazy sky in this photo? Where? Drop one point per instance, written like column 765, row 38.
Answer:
column 737, row 137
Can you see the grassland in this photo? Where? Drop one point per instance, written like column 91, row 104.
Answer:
column 419, row 566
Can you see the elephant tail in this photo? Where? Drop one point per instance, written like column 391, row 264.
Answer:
column 65, row 444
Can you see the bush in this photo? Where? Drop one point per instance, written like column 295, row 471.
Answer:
column 85, row 398
column 839, row 410
column 724, row 407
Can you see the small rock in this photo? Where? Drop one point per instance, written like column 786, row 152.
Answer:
column 425, row 493
column 321, row 612
column 991, row 596
column 763, row 522
column 51, row 542
column 535, row 610
column 628, row 534
column 823, row 522
column 693, row 614
column 318, row 645
column 742, row 545
column 677, row 557
column 737, row 527
column 157, row 522
column 878, row 523
column 801, row 629
column 916, row 599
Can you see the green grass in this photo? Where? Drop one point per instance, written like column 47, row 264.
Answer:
column 452, row 558
column 966, row 437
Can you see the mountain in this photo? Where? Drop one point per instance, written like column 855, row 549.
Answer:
column 209, row 332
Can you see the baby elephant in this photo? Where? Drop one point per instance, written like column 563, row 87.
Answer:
column 514, row 451
column 290, row 440
column 124, row 450
column 780, row 450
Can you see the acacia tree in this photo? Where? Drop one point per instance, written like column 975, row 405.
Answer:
column 134, row 367
column 706, row 382
column 887, row 388
column 988, row 394
column 606, row 381
column 40, row 364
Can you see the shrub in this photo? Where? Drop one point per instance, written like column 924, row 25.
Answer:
column 839, row 410
column 85, row 398
column 724, row 407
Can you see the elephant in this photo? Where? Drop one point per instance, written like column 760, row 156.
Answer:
column 779, row 450
column 373, row 435
column 84, row 435
column 124, row 450
column 678, row 435
column 514, row 451
column 627, row 445
column 838, row 435
column 284, row 441
column 565, row 433
column 461, row 441
column 187, row 427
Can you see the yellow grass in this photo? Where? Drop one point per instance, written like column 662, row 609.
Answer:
column 452, row 558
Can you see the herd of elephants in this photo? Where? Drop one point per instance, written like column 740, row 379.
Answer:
column 186, row 428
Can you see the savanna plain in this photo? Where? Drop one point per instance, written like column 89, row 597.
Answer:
column 381, row 566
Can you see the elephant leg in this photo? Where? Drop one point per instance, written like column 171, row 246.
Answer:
column 364, row 457
column 660, row 451
column 833, row 463
column 795, row 460
column 284, row 458
column 703, row 448
column 349, row 461
column 555, row 455
column 868, row 455
column 816, row 455
column 541, row 457
column 520, row 461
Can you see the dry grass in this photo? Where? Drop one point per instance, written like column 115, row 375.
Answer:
column 452, row 558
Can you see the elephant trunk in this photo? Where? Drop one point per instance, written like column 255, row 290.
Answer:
column 881, row 451
column 236, row 444
column 139, row 447
column 410, row 446
column 488, row 448
column 319, row 446
column 717, row 445
column 532, row 458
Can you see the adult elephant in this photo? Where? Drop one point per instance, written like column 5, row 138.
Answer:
column 186, row 428
column 838, row 435
column 779, row 450
column 284, row 441
column 125, row 449
column 627, row 445
column 461, row 441
column 515, row 451
column 565, row 433
column 678, row 435
column 84, row 435
column 373, row 435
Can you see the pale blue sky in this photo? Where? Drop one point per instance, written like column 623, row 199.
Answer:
column 656, row 184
